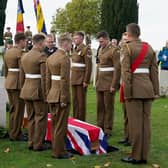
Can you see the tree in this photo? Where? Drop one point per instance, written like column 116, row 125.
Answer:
column 116, row 14
column 2, row 19
column 78, row 15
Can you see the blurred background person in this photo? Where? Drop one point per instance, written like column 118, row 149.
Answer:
column 50, row 45
column 114, row 42
column 28, row 32
column 163, row 57
column 8, row 45
column 8, row 34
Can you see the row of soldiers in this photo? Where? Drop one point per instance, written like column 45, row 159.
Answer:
column 45, row 82
column 8, row 34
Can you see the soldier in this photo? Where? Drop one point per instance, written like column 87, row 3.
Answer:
column 80, row 77
column 28, row 33
column 33, row 92
column 13, row 86
column 8, row 35
column 50, row 48
column 58, row 95
column 126, row 140
column 140, row 83
column 8, row 45
column 108, row 76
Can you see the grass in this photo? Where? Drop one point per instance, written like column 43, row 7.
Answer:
column 20, row 157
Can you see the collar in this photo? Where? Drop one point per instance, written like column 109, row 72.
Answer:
column 61, row 49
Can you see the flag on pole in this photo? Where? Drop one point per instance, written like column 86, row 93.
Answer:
column 41, row 27
column 20, row 23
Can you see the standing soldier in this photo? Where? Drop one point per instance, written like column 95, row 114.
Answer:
column 140, row 86
column 108, row 76
column 126, row 140
column 13, row 86
column 33, row 92
column 28, row 33
column 80, row 77
column 58, row 95
column 8, row 34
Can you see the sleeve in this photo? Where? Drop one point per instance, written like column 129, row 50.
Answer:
column 117, row 68
column 43, row 75
column 65, row 80
column 160, row 56
column 48, row 78
column 5, row 68
column 154, row 75
column 22, row 74
column 126, row 71
column 88, row 63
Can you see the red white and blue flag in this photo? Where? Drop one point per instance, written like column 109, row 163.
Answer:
column 81, row 136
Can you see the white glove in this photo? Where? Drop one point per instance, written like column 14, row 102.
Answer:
column 164, row 57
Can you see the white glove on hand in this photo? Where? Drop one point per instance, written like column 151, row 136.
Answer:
column 165, row 57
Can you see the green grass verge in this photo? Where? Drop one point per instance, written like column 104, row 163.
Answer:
column 20, row 157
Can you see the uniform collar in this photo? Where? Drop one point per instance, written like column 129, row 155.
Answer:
column 135, row 40
column 36, row 49
column 109, row 45
column 79, row 47
column 20, row 49
column 63, row 51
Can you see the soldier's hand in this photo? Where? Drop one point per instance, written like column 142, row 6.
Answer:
column 63, row 105
column 85, row 85
column 112, row 90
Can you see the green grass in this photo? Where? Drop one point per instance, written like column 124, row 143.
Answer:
column 20, row 157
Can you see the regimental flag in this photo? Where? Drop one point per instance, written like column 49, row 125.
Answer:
column 20, row 23
column 41, row 27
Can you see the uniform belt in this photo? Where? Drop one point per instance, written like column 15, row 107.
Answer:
column 56, row 77
column 14, row 69
column 33, row 76
column 141, row 70
column 78, row 65
column 106, row 69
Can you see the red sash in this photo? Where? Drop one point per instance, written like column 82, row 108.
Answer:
column 134, row 66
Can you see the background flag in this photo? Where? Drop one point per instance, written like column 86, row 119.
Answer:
column 20, row 23
column 41, row 27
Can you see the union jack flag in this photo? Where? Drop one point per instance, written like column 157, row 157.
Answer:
column 81, row 136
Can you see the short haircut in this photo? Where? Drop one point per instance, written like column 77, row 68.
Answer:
column 64, row 37
column 38, row 38
column 133, row 29
column 49, row 36
column 19, row 36
column 79, row 33
column 124, row 34
column 114, row 40
column 103, row 34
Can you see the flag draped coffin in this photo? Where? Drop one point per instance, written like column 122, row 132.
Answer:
column 82, row 137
